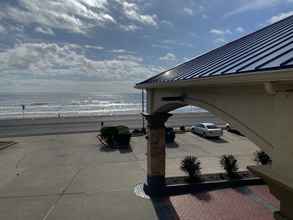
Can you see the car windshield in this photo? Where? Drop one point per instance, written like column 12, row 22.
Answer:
column 212, row 127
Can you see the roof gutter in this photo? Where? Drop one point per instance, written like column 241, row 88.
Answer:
column 243, row 78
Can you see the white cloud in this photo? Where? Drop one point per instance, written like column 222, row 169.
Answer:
column 220, row 32
column 280, row 16
column 131, row 11
column 221, row 35
column 168, row 57
column 217, row 32
column 53, row 61
column 94, row 47
column 130, row 57
column 220, row 41
column 188, row 11
column 240, row 30
column 130, row 27
column 167, row 23
column 250, row 5
column 77, row 16
column 175, row 43
column 44, row 30
column 171, row 44
column 121, row 51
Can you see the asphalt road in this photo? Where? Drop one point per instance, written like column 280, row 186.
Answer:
column 29, row 127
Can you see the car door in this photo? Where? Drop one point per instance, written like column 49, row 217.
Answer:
column 201, row 129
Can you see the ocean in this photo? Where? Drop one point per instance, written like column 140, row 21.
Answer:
column 50, row 104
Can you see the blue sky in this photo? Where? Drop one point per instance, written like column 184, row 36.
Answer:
column 61, row 44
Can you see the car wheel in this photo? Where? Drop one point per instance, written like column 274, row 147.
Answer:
column 204, row 134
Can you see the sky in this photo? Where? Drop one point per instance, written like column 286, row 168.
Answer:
column 109, row 45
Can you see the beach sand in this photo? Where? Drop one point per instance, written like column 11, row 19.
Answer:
column 41, row 126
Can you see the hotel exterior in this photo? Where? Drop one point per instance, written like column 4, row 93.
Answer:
column 248, row 83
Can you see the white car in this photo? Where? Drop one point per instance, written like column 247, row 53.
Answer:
column 207, row 130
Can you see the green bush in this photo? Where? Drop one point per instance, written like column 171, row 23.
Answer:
column 119, row 135
column 108, row 134
column 262, row 158
column 230, row 164
column 191, row 166
column 123, row 135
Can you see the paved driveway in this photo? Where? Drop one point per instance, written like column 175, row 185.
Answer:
column 73, row 177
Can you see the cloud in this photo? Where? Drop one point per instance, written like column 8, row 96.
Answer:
column 53, row 61
column 175, row 43
column 168, row 57
column 220, row 40
column 167, row 23
column 94, row 47
column 121, row 51
column 130, row 27
column 220, row 32
column 78, row 16
column 221, row 35
column 250, row 5
column 131, row 11
column 44, row 30
column 280, row 16
column 240, row 30
column 188, row 11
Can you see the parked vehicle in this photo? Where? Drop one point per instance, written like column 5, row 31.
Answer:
column 207, row 130
column 169, row 135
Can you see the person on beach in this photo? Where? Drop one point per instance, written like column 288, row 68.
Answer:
column 23, row 108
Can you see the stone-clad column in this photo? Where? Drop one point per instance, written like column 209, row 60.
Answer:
column 156, row 153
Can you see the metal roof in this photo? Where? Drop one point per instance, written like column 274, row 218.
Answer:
column 270, row 48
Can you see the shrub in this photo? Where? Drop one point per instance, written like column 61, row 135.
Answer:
column 262, row 158
column 108, row 134
column 123, row 135
column 191, row 166
column 229, row 163
column 182, row 128
column 118, row 134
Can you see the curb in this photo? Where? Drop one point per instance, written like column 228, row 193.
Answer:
column 178, row 189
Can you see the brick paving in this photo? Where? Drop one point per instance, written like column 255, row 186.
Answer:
column 253, row 203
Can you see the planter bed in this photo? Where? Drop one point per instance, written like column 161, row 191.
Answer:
column 181, row 185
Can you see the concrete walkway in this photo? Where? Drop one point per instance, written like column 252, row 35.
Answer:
column 72, row 177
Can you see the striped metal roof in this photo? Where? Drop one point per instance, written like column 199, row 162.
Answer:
column 270, row 48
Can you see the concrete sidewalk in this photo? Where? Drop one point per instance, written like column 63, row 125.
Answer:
column 72, row 177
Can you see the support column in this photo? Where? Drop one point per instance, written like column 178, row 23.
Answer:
column 156, row 153
column 280, row 186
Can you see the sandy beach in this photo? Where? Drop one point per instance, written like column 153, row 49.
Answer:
column 41, row 126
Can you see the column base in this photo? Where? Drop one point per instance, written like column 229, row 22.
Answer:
column 155, row 186
column 280, row 187
column 278, row 216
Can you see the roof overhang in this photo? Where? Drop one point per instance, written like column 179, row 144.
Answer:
column 241, row 78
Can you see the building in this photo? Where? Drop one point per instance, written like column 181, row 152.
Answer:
column 248, row 83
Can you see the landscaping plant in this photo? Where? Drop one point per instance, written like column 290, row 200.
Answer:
column 230, row 164
column 262, row 158
column 119, row 135
column 191, row 166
